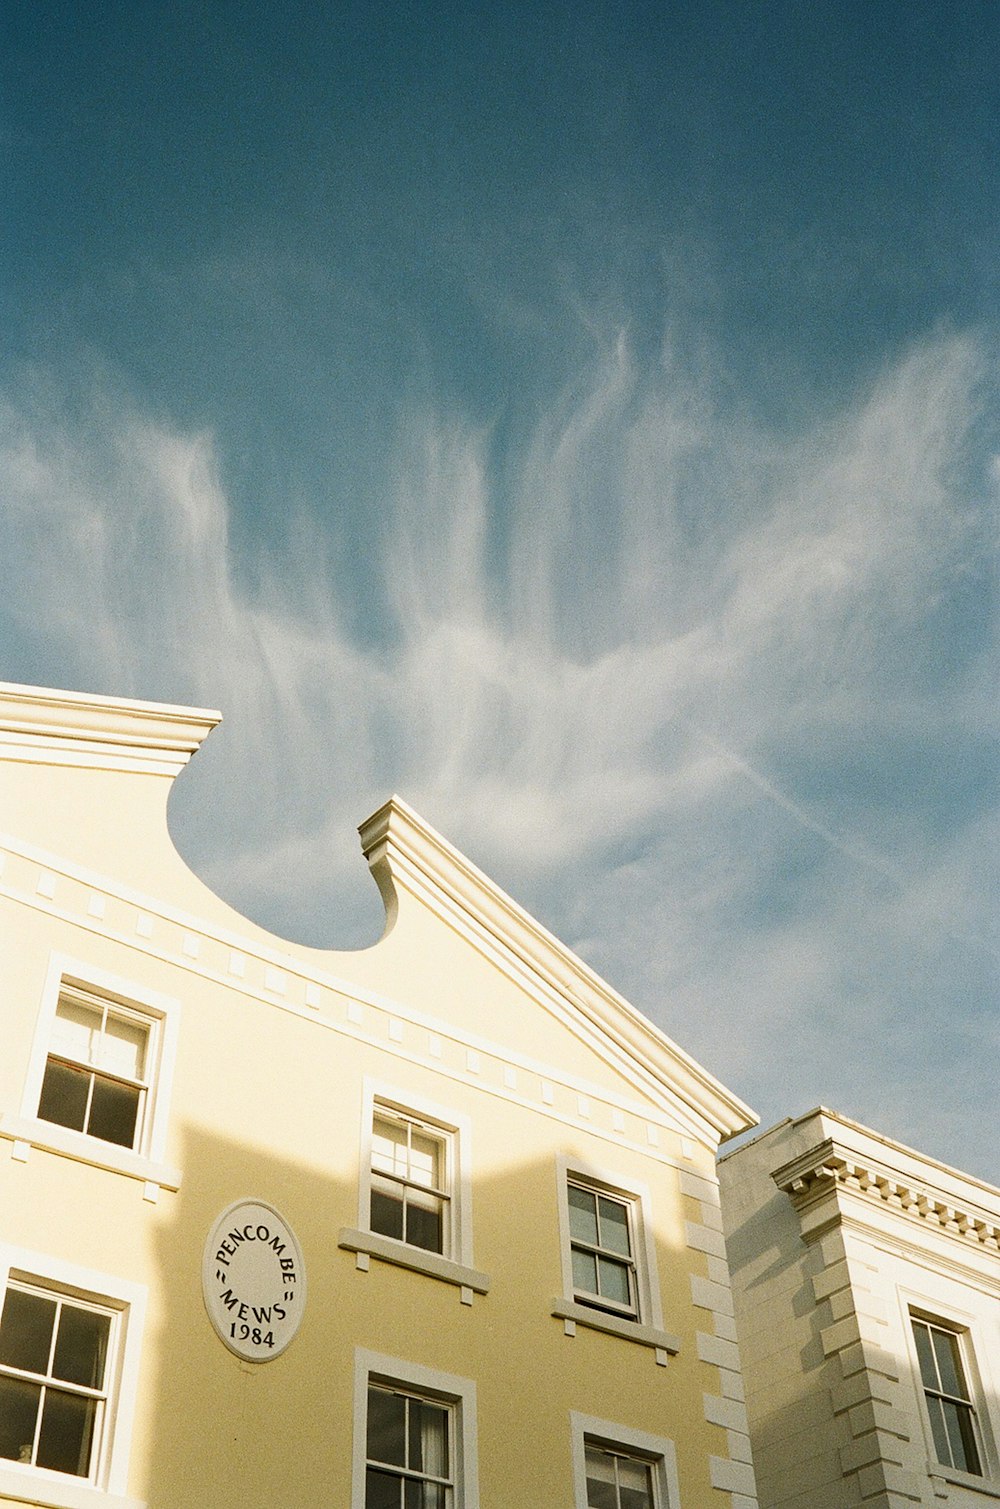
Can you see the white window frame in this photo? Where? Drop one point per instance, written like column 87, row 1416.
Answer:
column 647, row 1326
column 106, row 1487
column 962, row 1327
column 657, row 1451
column 459, row 1394
column 455, row 1264
column 407, row 1122
column 626, row 1262
column 66, row 977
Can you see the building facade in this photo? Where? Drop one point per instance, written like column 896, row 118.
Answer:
column 429, row 1225
column 867, row 1286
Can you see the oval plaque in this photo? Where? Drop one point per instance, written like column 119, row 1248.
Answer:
column 253, row 1280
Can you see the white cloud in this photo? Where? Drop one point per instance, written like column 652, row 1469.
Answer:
column 658, row 704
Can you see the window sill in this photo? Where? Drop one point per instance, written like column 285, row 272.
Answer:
column 77, row 1145
column 388, row 1250
column 987, row 1488
column 614, row 1325
column 29, row 1485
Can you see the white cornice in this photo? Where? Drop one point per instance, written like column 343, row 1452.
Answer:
column 836, row 1167
column 404, row 852
column 41, row 726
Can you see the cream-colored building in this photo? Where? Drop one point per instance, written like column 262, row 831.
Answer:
column 430, row 1225
column 867, row 1286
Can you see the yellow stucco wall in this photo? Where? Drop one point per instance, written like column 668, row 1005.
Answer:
column 266, row 1101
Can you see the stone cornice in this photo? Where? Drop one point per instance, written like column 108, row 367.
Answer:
column 42, row 726
column 832, row 1168
column 405, row 853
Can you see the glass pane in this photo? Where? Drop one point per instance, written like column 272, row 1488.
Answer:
column 67, row 1432
column 76, row 1030
column 582, row 1215
column 969, row 1446
column 939, row 1430
column 387, row 1211
column 389, row 1147
column 428, row 1438
column 427, row 1495
column 114, row 1112
column 601, row 1492
column 123, row 1047
column 382, row 1490
column 960, row 1437
column 584, row 1271
column 386, row 1427
column 81, row 1346
column 26, row 1331
column 636, row 1498
column 614, row 1281
column 600, row 1465
column 614, row 1227
column 18, row 1413
column 64, row 1095
column 635, row 1484
column 949, row 1366
column 424, row 1159
column 925, row 1354
column 424, row 1223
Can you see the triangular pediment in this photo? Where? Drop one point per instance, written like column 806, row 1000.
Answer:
column 415, row 867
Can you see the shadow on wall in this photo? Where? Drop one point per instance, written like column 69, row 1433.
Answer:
column 816, row 1418
column 279, row 1434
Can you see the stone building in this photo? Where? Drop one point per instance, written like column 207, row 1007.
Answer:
column 867, row 1285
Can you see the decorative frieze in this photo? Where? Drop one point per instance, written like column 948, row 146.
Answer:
column 826, row 1169
column 61, row 889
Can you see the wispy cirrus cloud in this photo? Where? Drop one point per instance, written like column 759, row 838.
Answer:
column 694, row 692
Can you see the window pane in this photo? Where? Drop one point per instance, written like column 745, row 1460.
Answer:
column 614, row 1227
column 925, row 1354
column 75, row 1031
column 582, row 1215
column 428, row 1438
column 18, row 1414
column 601, row 1493
column 939, row 1430
column 26, row 1331
column 584, row 1271
column 960, row 1437
column 427, row 1496
column 123, row 1047
column 970, row 1448
column 114, row 1111
column 614, row 1281
column 424, row 1160
column 949, row 1366
column 81, row 1346
column 386, row 1427
column 635, row 1484
column 64, row 1095
column 387, row 1211
column 600, row 1465
column 382, row 1490
column 67, row 1432
column 389, row 1147
column 424, row 1223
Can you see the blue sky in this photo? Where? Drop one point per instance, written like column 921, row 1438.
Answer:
column 581, row 419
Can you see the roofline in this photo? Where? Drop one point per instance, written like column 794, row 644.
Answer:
column 42, row 725
column 844, row 1133
column 396, row 838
